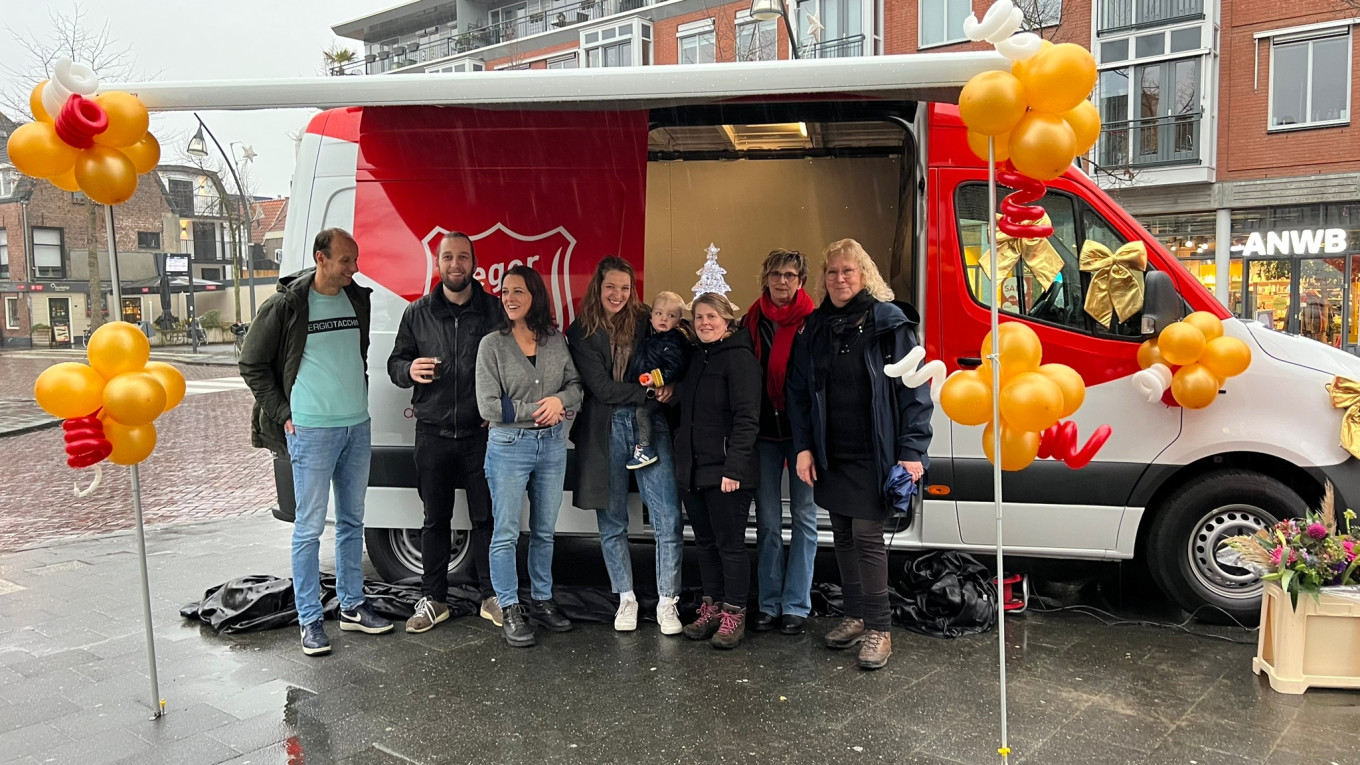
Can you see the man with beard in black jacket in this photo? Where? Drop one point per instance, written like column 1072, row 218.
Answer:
column 436, row 353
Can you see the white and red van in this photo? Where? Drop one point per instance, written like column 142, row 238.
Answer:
column 557, row 169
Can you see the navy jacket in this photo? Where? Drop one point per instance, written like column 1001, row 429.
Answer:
column 901, row 415
column 667, row 351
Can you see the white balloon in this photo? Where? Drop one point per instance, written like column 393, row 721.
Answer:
column 995, row 24
column 933, row 372
column 67, row 78
column 1152, row 382
column 1021, row 47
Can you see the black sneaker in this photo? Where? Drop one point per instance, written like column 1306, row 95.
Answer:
column 314, row 640
column 515, row 626
column 546, row 613
column 362, row 619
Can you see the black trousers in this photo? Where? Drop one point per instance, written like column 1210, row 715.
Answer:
column 443, row 465
column 863, row 561
column 719, row 522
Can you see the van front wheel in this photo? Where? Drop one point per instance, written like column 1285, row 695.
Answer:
column 395, row 553
column 1191, row 525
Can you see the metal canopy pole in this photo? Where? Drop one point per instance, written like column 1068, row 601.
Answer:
column 995, row 358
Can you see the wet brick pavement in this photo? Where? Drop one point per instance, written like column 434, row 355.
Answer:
column 203, row 466
column 73, row 687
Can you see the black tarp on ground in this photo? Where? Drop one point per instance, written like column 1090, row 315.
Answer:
column 947, row 594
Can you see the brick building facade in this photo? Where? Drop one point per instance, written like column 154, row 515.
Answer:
column 1227, row 123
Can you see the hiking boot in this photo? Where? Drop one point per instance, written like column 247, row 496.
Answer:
column 877, row 647
column 549, row 616
column 668, row 616
column 706, row 623
column 847, row 633
column 516, row 628
column 792, row 625
column 642, row 457
column 314, row 640
column 731, row 627
column 491, row 610
column 626, row 618
column 362, row 619
column 428, row 613
column 764, row 622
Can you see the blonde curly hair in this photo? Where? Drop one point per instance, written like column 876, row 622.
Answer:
column 854, row 251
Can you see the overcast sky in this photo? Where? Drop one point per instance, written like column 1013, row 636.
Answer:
column 212, row 40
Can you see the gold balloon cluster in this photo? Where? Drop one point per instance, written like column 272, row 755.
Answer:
column 1197, row 356
column 1037, row 112
column 97, row 144
column 121, row 386
column 1034, row 396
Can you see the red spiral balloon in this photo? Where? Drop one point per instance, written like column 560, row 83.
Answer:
column 1059, row 442
column 80, row 120
column 85, row 442
column 1017, row 216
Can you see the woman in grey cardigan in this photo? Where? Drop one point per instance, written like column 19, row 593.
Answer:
column 526, row 386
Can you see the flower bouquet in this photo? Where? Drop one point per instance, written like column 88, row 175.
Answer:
column 1301, row 554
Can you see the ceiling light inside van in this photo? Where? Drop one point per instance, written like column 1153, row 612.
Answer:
column 783, row 135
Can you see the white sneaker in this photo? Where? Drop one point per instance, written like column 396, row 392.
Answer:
column 626, row 618
column 668, row 616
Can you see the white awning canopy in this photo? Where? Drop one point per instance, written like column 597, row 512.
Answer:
column 913, row 77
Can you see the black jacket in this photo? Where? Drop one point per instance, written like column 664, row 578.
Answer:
column 273, row 352
column 719, row 416
column 430, row 328
column 901, row 415
column 590, row 429
column 666, row 351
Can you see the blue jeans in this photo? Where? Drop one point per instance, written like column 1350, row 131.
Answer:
column 784, row 590
column 517, row 459
column 322, row 456
column 657, row 485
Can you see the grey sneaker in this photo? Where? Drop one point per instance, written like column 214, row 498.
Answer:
column 314, row 640
column 491, row 611
column 428, row 613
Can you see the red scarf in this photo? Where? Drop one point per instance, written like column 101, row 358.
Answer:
column 787, row 320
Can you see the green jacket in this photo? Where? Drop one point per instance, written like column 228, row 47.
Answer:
column 273, row 352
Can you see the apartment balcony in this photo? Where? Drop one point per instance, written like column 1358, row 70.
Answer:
column 1127, row 15
column 1148, row 143
column 536, row 20
column 844, row 47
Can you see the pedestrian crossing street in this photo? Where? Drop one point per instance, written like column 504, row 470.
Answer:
column 216, row 385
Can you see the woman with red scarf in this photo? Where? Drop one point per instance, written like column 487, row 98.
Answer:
column 785, row 585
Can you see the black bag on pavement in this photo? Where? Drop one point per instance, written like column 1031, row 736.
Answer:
column 949, row 594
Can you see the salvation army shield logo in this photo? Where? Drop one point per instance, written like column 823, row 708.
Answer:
column 500, row 248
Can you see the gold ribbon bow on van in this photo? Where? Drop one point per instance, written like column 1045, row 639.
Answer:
column 1116, row 280
column 1345, row 394
column 1043, row 261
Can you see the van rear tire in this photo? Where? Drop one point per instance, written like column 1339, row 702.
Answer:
column 1189, row 528
column 395, row 554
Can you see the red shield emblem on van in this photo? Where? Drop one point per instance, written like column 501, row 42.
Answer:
column 500, row 248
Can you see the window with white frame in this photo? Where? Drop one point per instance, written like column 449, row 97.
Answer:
column 466, row 65
column 697, row 42
column 563, row 62
column 942, row 21
column 6, row 181
column 756, row 40
column 1310, row 79
column 49, row 261
column 4, row 253
column 1150, row 96
column 626, row 44
column 11, row 313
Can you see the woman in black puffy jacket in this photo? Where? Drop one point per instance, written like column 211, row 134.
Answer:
column 716, row 465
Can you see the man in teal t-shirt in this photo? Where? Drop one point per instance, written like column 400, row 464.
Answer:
column 305, row 359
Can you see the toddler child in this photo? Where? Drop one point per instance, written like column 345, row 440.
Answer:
column 658, row 361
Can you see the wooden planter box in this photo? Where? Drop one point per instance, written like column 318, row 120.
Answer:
column 1316, row 646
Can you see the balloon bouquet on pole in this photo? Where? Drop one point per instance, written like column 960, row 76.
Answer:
column 98, row 143
column 1029, row 121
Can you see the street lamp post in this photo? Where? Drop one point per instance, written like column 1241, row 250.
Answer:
column 769, row 10
column 199, row 148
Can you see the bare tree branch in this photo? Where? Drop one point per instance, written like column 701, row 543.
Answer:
column 72, row 36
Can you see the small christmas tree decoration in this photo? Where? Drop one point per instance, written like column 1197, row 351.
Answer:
column 711, row 275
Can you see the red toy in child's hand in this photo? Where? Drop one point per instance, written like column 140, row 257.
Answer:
column 652, row 379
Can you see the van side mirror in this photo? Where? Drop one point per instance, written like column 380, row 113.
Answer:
column 1161, row 302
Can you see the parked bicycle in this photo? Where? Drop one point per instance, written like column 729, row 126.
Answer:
column 240, row 329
